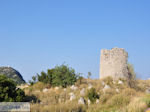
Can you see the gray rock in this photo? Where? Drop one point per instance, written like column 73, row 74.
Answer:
column 59, row 100
column 103, row 83
column 56, row 88
column 23, row 86
column 71, row 93
column 117, row 90
column 82, row 92
column 81, row 101
column 120, row 82
column 90, row 86
column 41, row 103
column 99, row 93
column 106, row 87
column 72, row 96
column 114, row 82
column 147, row 91
column 97, row 101
column 73, row 87
column 45, row 90
column 89, row 102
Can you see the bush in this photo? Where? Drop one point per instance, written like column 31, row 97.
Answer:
column 132, row 82
column 131, row 73
column 9, row 92
column 63, row 76
column 92, row 95
column 58, row 76
column 46, row 77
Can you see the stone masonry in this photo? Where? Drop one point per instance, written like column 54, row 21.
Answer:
column 114, row 63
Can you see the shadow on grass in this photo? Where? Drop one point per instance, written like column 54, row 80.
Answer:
column 32, row 98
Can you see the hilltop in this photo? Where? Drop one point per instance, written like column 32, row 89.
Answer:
column 13, row 74
column 60, row 89
column 113, row 96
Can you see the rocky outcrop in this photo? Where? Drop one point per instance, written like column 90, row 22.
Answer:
column 12, row 74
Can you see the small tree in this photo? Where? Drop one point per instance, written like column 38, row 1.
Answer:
column 33, row 81
column 131, row 72
column 58, row 76
column 34, row 78
column 92, row 95
column 89, row 75
column 79, row 79
column 63, row 76
column 43, row 77
column 132, row 76
column 50, row 73
column 9, row 92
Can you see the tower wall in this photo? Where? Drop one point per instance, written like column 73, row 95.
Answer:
column 114, row 63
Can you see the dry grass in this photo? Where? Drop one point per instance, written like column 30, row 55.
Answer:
column 127, row 100
column 136, row 105
column 63, row 107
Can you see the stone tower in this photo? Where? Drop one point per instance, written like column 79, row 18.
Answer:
column 114, row 63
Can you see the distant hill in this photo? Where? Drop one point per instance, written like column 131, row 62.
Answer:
column 13, row 74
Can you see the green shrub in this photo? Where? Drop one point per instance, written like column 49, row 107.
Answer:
column 46, row 77
column 132, row 83
column 92, row 95
column 31, row 82
column 63, row 76
column 58, row 76
column 9, row 92
column 131, row 72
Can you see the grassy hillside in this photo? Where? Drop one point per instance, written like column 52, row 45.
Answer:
column 114, row 96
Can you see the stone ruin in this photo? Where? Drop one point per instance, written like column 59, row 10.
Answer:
column 114, row 63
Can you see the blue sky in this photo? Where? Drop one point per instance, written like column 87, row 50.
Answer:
column 38, row 34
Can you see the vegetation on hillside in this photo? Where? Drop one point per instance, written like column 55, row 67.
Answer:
column 60, row 89
column 105, row 95
column 59, row 76
column 120, row 97
column 92, row 95
column 9, row 92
